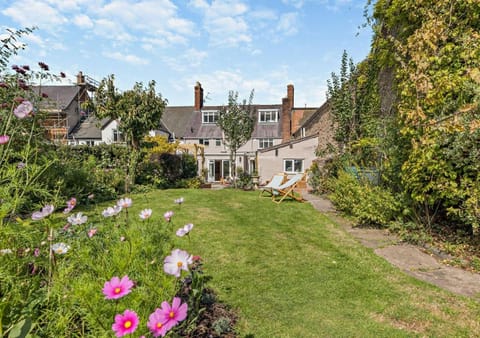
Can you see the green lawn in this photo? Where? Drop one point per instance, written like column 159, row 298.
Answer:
column 290, row 272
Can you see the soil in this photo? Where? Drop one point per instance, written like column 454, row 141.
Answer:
column 422, row 262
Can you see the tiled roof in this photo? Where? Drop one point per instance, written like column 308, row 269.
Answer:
column 187, row 123
column 58, row 96
column 91, row 128
column 288, row 143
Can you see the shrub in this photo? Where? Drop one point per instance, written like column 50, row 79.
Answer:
column 371, row 205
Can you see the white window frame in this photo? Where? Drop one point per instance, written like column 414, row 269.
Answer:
column 268, row 116
column 204, row 141
column 293, row 162
column 210, row 116
column 265, row 143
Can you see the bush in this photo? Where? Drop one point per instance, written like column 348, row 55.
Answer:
column 371, row 205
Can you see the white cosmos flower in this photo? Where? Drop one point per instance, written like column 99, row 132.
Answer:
column 125, row 202
column 176, row 262
column 184, row 230
column 60, row 248
column 145, row 213
column 77, row 219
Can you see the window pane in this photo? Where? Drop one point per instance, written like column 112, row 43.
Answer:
column 288, row 166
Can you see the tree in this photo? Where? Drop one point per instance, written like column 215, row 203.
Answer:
column 138, row 111
column 237, row 124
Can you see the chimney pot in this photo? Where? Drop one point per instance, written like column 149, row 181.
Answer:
column 198, row 96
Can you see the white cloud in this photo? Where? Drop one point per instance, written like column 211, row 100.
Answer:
column 83, row 21
column 128, row 58
column 295, row 3
column 30, row 13
column 288, row 23
column 225, row 21
column 188, row 59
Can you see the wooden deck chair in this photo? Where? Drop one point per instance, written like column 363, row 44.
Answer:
column 287, row 189
column 275, row 182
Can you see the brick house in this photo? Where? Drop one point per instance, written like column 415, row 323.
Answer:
column 197, row 125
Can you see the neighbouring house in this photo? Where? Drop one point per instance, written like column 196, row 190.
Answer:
column 63, row 105
column 294, row 156
column 197, row 125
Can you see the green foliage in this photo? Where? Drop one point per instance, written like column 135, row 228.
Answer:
column 139, row 109
column 237, row 123
column 165, row 170
column 370, row 205
column 60, row 295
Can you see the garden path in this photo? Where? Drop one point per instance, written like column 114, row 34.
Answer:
column 416, row 261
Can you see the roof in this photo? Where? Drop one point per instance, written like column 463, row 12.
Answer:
column 58, row 96
column 177, row 119
column 324, row 109
column 286, row 144
column 185, row 122
column 91, row 128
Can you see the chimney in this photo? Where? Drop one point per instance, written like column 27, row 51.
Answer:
column 290, row 95
column 80, row 78
column 198, row 96
column 285, row 122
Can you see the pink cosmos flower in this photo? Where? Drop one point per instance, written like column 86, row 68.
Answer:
column 168, row 216
column 71, row 203
column 156, row 324
column 176, row 262
column 125, row 323
column 185, row 230
column 36, row 252
column 92, row 232
column 77, row 219
column 23, row 110
column 174, row 314
column 145, row 214
column 125, row 202
column 117, row 288
column 46, row 210
column 4, row 139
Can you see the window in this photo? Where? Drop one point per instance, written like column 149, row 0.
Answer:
column 265, row 142
column 267, row 116
column 117, row 135
column 293, row 166
column 218, row 142
column 210, row 116
column 204, row 141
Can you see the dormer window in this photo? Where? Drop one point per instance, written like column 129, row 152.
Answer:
column 210, row 116
column 267, row 115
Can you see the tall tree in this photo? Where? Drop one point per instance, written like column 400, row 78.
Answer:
column 237, row 124
column 137, row 110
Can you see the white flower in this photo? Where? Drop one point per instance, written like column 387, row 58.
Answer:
column 46, row 210
column 176, row 262
column 125, row 202
column 77, row 219
column 185, row 230
column 60, row 248
column 145, row 213
column 179, row 200
column 112, row 211
column 5, row 251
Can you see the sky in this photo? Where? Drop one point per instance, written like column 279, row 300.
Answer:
column 225, row 45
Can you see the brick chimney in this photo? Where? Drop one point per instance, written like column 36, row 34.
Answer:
column 285, row 122
column 198, row 96
column 80, row 78
column 290, row 95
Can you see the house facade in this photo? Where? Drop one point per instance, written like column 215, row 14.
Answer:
column 197, row 125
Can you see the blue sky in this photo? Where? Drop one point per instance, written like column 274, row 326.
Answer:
column 226, row 45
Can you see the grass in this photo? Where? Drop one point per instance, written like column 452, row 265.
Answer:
column 286, row 269
column 290, row 272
